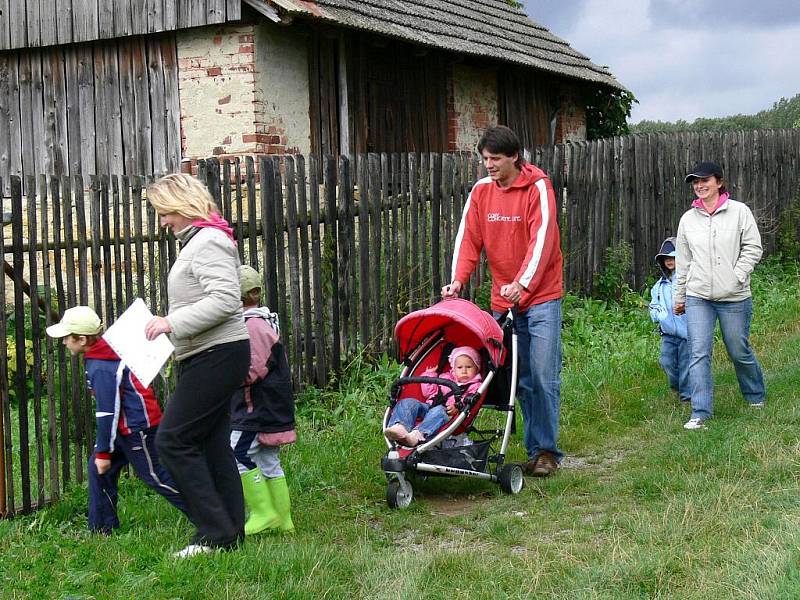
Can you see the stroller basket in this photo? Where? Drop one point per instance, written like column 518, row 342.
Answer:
column 472, row 457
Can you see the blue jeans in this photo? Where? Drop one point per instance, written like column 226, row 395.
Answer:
column 734, row 322
column 408, row 410
column 539, row 347
column 674, row 360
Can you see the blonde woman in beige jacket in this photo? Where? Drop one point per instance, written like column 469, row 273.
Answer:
column 212, row 354
column 718, row 246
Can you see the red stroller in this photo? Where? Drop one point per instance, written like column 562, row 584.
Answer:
column 425, row 339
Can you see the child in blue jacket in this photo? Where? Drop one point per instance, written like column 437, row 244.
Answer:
column 674, row 338
column 127, row 415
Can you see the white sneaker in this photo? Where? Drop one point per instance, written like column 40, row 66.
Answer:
column 757, row 404
column 695, row 424
column 193, row 550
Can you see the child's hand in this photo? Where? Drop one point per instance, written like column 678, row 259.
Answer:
column 451, row 410
column 102, row 464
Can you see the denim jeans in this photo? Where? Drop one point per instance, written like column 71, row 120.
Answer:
column 539, row 347
column 734, row 322
column 408, row 410
column 674, row 360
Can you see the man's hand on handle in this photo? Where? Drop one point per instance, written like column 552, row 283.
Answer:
column 512, row 292
column 679, row 308
column 452, row 290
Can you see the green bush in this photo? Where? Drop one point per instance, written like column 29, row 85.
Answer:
column 788, row 237
column 612, row 283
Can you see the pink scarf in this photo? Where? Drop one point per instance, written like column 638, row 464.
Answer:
column 723, row 198
column 215, row 221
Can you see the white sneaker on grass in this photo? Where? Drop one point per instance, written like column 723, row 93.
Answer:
column 757, row 404
column 193, row 550
column 695, row 424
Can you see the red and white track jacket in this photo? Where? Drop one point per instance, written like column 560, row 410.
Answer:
column 518, row 227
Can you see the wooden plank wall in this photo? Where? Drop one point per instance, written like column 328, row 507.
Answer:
column 344, row 248
column 40, row 23
column 397, row 97
column 53, row 100
column 527, row 105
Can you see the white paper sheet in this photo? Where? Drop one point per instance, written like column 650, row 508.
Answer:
column 126, row 336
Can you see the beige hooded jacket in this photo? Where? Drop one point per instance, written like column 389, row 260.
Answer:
column 205, row 308
column 716, row 253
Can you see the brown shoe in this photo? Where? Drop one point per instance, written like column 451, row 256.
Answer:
column 542, row 465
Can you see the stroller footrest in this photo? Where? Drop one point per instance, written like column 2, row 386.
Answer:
column 392, row 465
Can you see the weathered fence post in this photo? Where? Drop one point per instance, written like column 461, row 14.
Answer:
column 331, row 259
column 5, row 408
column 19, row 343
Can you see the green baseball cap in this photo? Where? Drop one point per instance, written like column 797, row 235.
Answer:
column 249, row 278
column 78, row 320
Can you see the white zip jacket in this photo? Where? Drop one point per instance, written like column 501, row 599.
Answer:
column 716, row 253
column 205, row 308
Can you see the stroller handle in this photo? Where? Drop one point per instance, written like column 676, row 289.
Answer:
column 457, row 390
column 506, row 319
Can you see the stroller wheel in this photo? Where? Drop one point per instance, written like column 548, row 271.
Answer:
column 511, row 479
column 399, row 494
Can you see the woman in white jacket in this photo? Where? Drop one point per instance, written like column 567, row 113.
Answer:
column 718, row 247
column 212, row 354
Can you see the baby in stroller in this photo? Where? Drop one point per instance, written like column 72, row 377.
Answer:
column 439, row 403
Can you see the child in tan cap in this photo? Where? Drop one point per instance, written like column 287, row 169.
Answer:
column 127, row 416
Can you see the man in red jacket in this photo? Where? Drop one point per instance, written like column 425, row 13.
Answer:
column 512, row 214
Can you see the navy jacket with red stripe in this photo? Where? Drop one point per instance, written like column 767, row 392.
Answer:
column 122, row 404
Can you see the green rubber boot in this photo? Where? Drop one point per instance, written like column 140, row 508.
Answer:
column 279, row 491
column 258, row 500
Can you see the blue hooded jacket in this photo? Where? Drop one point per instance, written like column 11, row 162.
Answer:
column 661, row 296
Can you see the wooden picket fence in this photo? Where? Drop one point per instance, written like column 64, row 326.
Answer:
column 631, row 189
column 345, row 249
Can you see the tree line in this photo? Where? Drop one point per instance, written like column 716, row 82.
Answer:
column 784, row 114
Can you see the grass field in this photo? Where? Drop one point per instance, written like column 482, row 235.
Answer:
column 641, row 509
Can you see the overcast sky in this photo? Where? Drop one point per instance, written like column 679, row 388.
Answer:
column 685, row 59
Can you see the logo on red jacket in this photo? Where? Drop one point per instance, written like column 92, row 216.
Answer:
column 497, row 217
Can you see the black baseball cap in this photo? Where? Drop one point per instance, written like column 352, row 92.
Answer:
column 703, row 169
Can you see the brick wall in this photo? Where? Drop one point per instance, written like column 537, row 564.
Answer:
column 282, row 90
column 243, row 90
column 471, row 106
column 216, row 75
column 571, row 124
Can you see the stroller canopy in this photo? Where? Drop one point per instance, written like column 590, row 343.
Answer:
column 463, row 323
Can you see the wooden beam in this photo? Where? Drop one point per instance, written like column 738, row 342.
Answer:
column 344, row 106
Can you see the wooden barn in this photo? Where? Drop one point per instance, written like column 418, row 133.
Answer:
column 138, row 86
